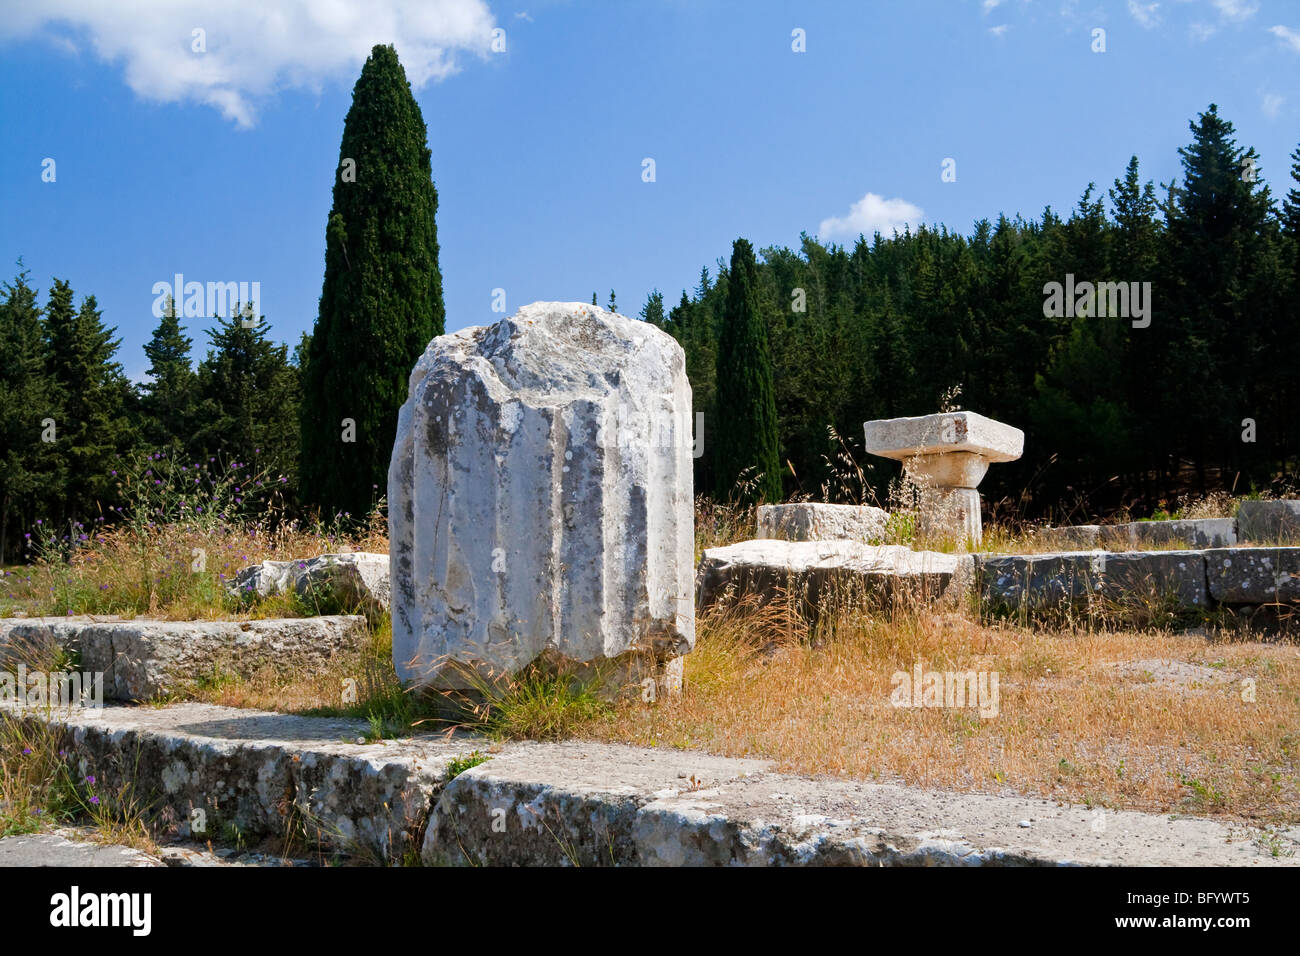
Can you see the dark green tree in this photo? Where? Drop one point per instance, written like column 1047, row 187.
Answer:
column 1217, row 288
column 653, row 310
column 93, row 399
column 248, row 397
column 26, row 462
column 169, row 396
column 746, row 439
column 381, row 301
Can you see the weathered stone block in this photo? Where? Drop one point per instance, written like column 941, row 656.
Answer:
column 1091, row 580
column 814, row 572
column 1253, row 575
column 1187, row 533
column 540, row 497
column 1191, row 533
column 811, row 521
column 1081, row 537
column 355, row 580
column 141, row 659
column 1269, row 522
column 255, row 774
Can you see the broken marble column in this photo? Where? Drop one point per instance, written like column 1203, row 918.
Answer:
column 946, row 455
column 540, row 501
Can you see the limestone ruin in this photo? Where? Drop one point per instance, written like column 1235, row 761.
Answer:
column 540, row 499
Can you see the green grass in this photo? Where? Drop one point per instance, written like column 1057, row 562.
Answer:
column 539, row 705
column 40, row 786
column 460, row 764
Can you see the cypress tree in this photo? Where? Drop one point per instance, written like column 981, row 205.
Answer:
column 381, row 301
column 747, row 433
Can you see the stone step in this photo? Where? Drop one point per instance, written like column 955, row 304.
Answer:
column 1085, row 580
column 142, row 659
column 1191, row 533
column 597, row 804
column 250, row 773
column 594, row 804
column 82, row 846
column 59, row 849
column 1234, row 577
column 815, row 571
column 1269, row 522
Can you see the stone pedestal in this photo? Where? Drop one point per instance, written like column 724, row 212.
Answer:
column 946, row 456
column 951, row 512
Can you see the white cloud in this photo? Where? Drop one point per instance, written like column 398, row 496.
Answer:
column 1202, row 31
column 998, row 30
column 1236, row 10
column 1144, row 13
column 872, row 214
column 523, row 15
column 255, row 49
column 1288, row 36
column 991, row 5
column 1271, row 104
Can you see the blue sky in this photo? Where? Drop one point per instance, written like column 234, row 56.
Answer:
column 218, row 164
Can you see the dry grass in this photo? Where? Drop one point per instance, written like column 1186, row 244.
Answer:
column 1150, row 720
column 174, row 571
column 41, row 786
column 356, row 683
column 718, row 525
column 1071, row 726
column 1145, row 720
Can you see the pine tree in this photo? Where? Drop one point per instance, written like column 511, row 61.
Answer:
column 679, row 323
column 381, row 302
column 1291, row 205
column 168, row 402
column 248, row 396
column 1215, row 288
column 1080, row 400
column 1134, row 256
column 653, row 310
column 613, row 302
column 25, row 402
column 702, row 289
column 92, row 396
column 747, row 440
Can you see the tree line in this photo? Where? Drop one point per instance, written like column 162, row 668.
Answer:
column 788, row 351
column 318, row 423
column 1118, row 410
column 69, row 416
